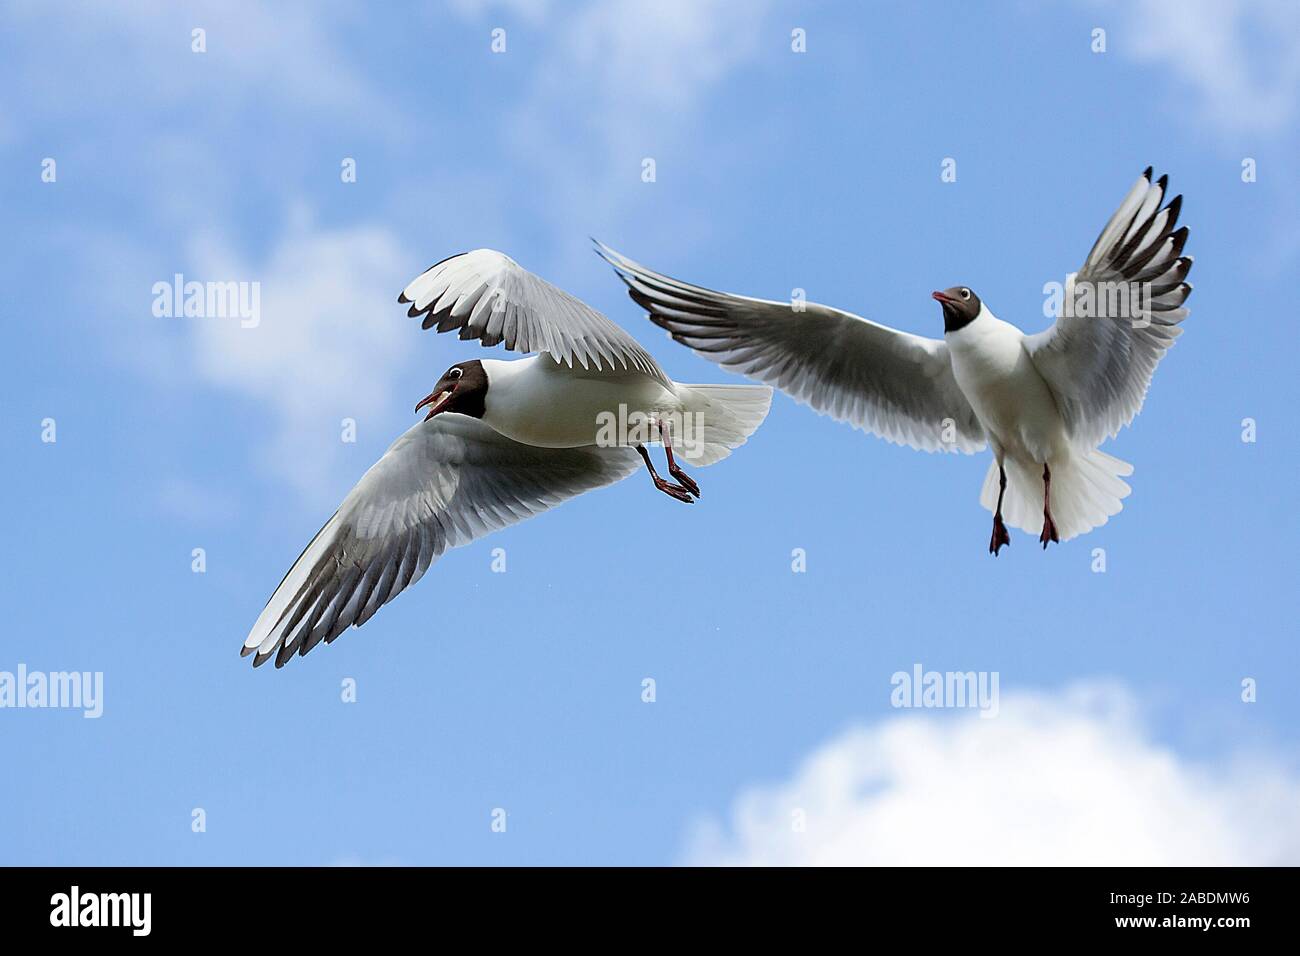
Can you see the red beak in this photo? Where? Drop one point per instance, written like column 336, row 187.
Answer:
column 435, row 400
column 940, row 297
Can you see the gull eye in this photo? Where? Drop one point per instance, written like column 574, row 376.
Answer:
column 455, row 372
column 965, row 293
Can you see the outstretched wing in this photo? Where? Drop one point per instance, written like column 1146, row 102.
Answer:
column 489, row 297
column 1125, row 306
column 890, row 383
column 444, row 483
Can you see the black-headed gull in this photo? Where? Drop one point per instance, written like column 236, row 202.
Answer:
column 1044, row 402
column 502, row 441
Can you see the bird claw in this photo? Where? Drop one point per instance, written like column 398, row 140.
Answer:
column 686, row 481
column 1000, row 536
column 1049, row 532
column 674, row 491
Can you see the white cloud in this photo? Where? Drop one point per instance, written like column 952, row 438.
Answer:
column 631, row 55
column 331, row 338
column 329, row 345
column 620, row 81
column 662, row 55
column 530, row 11
column 1240, row 59
column 1055, row 779
column 284, row 52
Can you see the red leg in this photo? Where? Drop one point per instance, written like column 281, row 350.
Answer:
column 1049, row 526
column 667, row 487
column 1000, row 536
column 687, row 482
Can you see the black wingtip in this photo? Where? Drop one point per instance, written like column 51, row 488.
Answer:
column 1163, row 182
column 1147, row 173
column 401, row 297
column 1179, row 237
column 286, row 653
column 245, row 651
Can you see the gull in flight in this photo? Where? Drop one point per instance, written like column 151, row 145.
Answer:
column 501, row 441
column 1044, row 403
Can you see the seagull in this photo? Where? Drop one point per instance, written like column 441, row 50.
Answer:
column 501, row 441
column 1043, row 403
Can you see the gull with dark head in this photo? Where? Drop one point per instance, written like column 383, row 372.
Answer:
column 500, row 441
column 1044, row 403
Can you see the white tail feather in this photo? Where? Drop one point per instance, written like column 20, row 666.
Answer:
column 1086, row 491
column 722, row 418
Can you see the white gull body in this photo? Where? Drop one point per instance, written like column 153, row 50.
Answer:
column 526, row 438
column 1046, row 400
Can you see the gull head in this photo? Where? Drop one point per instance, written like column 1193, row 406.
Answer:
column 961, row 307
column 462, row 389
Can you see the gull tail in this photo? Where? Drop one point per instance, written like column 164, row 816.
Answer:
column 717, row 419
column 1086, row 490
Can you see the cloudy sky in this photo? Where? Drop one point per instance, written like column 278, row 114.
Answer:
column 1121, row 734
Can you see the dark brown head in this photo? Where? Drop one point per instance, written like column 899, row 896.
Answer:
column 462, row 388
column 961, row 306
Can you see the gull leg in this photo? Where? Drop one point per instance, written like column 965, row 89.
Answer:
column 1049, row 526
column 667, row 487
column 686, row 480
column 1000, row 536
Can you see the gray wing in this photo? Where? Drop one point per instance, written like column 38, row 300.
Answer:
column 893, row 384
column 1127, row 305
column 489, row 297
column 444, row 483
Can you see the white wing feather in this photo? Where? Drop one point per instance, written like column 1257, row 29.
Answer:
column 489, row 297
column 1099, row 365
column 890, row 383
column 444, row 483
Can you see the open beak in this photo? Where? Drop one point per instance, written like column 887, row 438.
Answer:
column 940, row 297
column 435, row 400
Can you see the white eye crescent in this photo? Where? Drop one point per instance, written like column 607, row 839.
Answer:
column 965, row 293
column 455, row 372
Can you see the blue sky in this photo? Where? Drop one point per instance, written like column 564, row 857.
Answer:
column 522, row 690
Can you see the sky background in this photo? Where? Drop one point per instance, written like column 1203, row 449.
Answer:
column 1122, row 734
